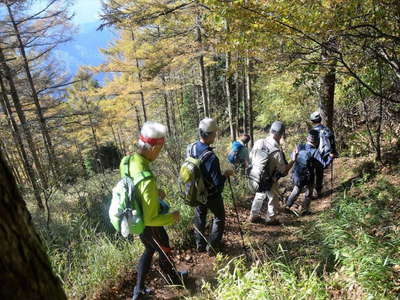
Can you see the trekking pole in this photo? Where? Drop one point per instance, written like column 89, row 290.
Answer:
column 237, row 218
column 332, row 182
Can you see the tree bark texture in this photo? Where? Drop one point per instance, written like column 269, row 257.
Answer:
column 25, row 270
column 327, row 87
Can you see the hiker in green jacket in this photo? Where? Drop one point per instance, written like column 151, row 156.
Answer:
column 154, row 236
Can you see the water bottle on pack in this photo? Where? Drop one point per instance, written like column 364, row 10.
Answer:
column 125, row 227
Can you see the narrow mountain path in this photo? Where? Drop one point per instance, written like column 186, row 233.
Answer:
column 258, row 237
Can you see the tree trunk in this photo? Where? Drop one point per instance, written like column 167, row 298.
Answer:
column 6, row 107
column 19, row 158
column 117, row 144
column 180, row 110
column 138, row 122
column 164, row 93
column 42, row 122
column 10, row 162
column 201, row 66
column 81, row 159
column 24, row 265
column 228, row 94
column 120, row 132
column 245, row 110
column 249, row 98
column 174, row 107
column 123, row 150
column 139, row 75
column 327, row 86
column 26, row 130
column 91, row 123
column 209, row 86
column 237, row 103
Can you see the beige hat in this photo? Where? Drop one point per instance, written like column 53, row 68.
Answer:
column 208, row 125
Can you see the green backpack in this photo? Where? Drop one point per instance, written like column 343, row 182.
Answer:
column 194, row 191
column 125, row 208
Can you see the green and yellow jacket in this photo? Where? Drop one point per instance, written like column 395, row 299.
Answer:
column 147, row 193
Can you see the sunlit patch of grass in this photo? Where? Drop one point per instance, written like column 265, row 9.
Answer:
column 273, row 279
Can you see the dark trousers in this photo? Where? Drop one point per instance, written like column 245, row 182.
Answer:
column 155, row 239
column 215, row 203
column 319, row 178
column 296, row 192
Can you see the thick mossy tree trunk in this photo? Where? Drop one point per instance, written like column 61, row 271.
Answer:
column 25, row 271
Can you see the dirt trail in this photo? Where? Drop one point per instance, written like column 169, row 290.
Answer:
column 200, row 265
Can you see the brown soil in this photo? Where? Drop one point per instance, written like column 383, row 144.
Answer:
column 201, row 265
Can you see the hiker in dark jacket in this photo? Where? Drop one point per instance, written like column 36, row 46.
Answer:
column 308, row 159
column 316, row 119
column 239, row 154
column 214, row 180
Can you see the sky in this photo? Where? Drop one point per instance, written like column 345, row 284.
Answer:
column 86, row 11
column 84, row 47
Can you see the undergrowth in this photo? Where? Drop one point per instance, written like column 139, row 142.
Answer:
column 351, row 251
column 85, row 252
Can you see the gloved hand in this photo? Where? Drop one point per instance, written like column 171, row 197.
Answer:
column 164, row 207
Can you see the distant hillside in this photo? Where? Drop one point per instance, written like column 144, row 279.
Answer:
column 84, row 48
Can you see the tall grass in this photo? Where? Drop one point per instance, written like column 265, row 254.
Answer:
column 85, row 252
column 362, row 231
column 350, row 252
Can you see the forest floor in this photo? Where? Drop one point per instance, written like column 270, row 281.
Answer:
column 258, row 237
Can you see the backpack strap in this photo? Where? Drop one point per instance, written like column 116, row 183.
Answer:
column 125, row 163
column 192, row 153
column 205, row 155
column 139, row 177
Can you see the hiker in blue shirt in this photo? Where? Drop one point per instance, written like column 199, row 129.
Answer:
column 239, row 154
column 328, row 138
column 214, row 180
column 308, row 159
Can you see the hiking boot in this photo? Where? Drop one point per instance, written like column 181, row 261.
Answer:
column 214, row 249
column 287, row 210
column 290, row 211
column 273, row 222
column 201, row 248
column 256, row 220
column 181, row 278
column 306, row 212
column 140, row 294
